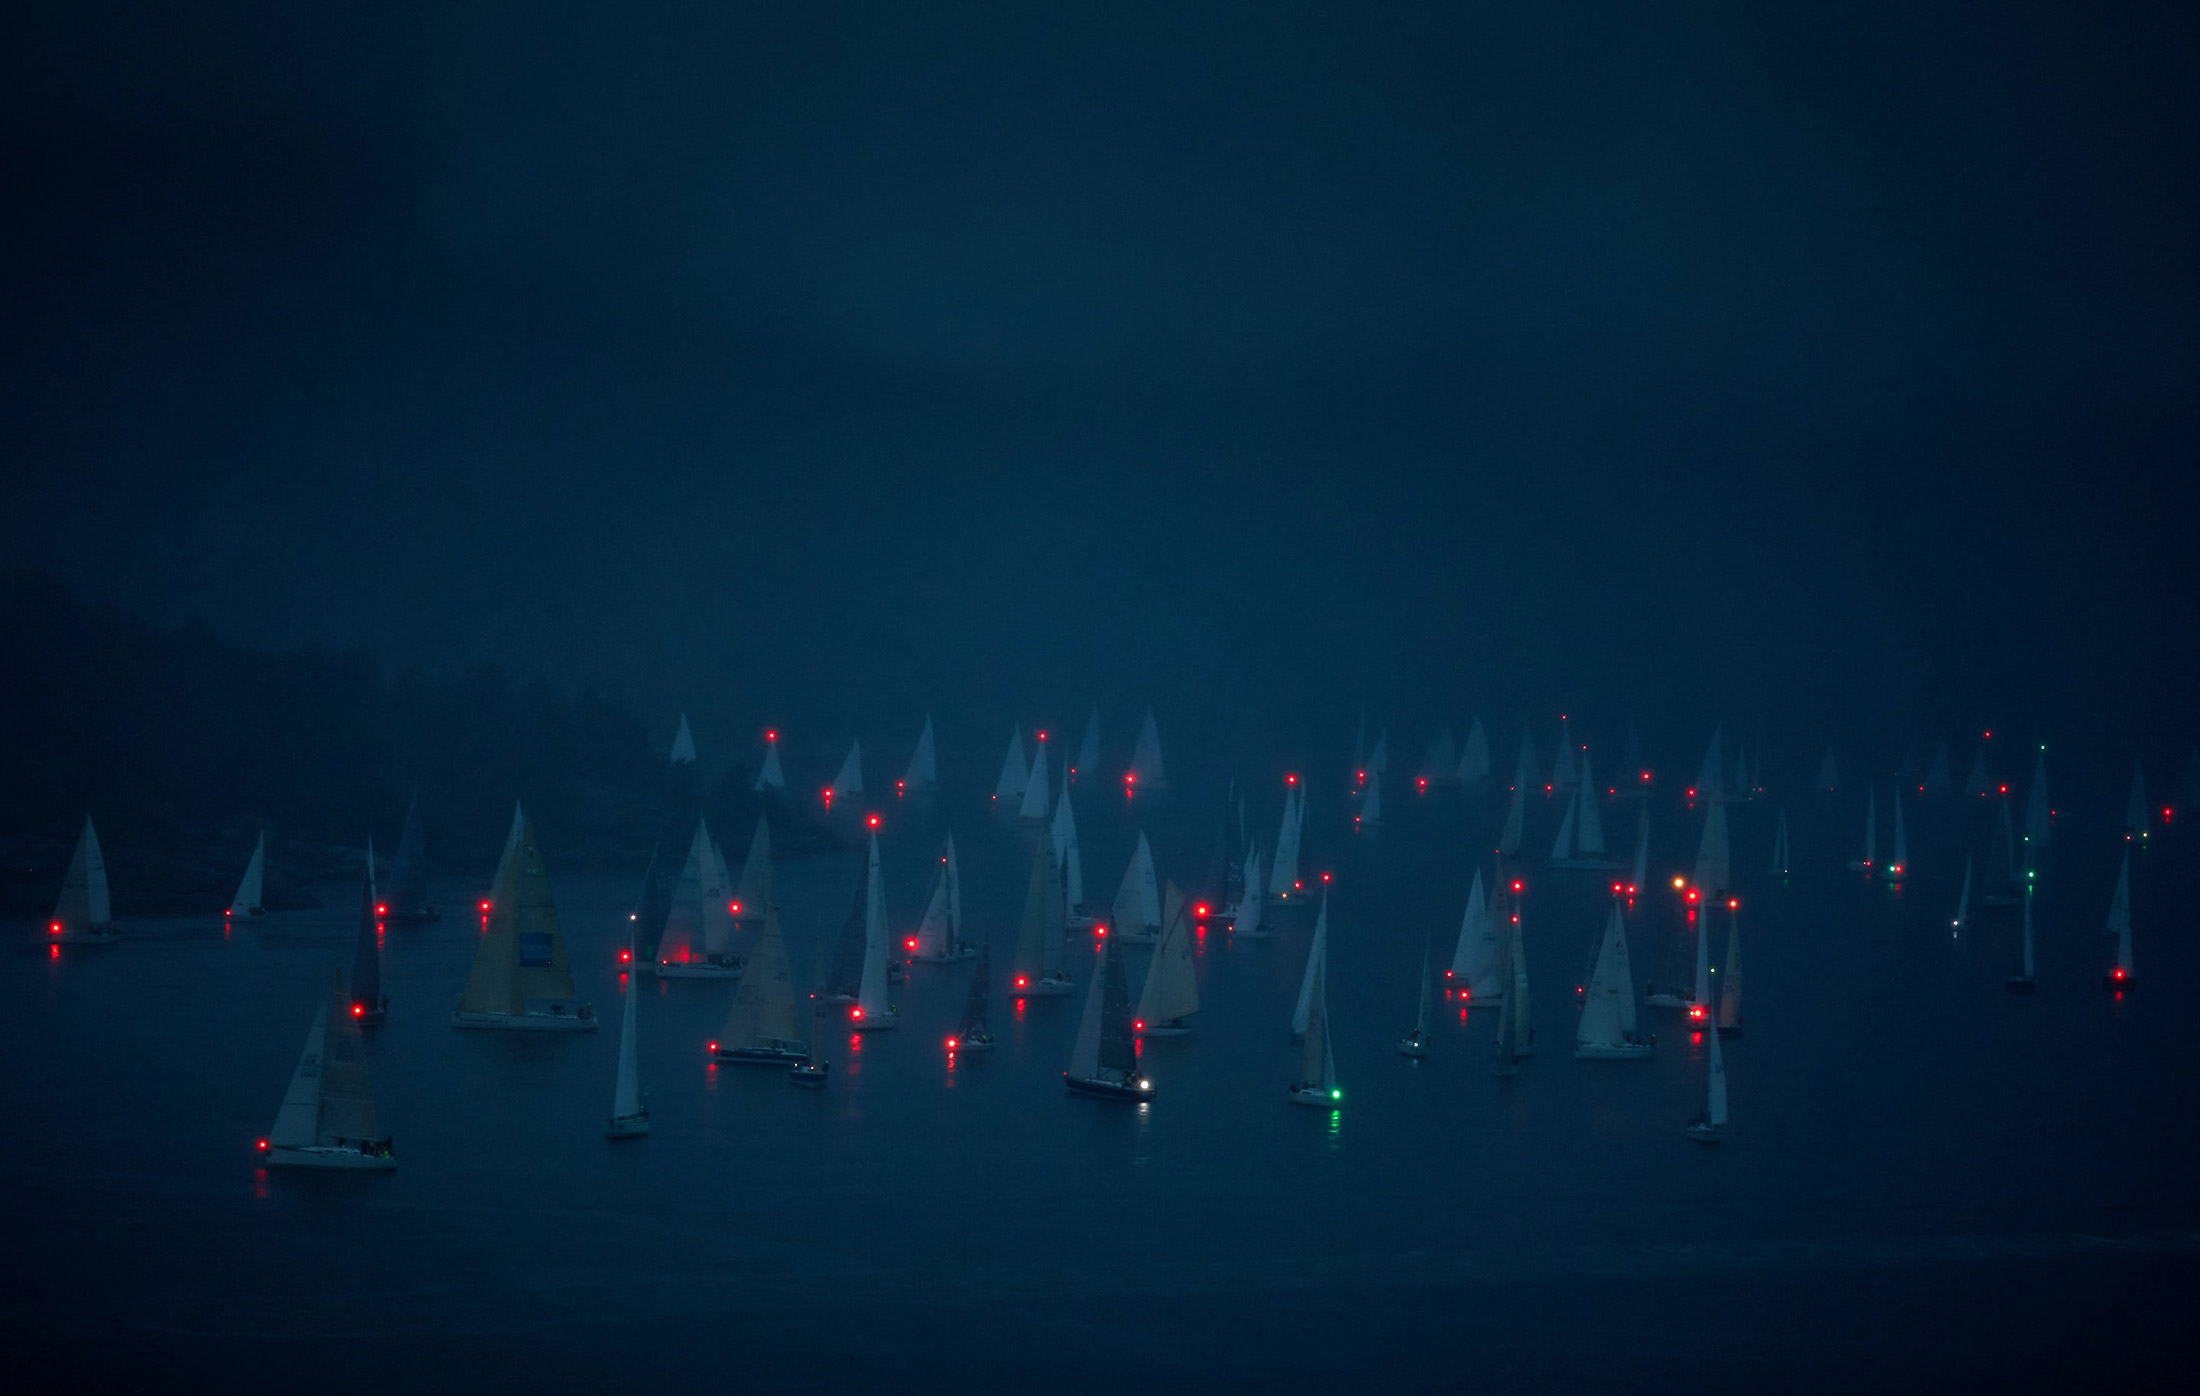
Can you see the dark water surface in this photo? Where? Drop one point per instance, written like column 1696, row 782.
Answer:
column 1926, row 1179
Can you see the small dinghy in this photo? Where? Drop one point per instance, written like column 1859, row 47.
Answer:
column 1104, row 1063
column 84, row 915
column 327, row 1115
column 1607, row 1031
column 1418, row 1042
column 2119, row 978
column 521, row 979
column 247, row 900
column 629, row 1117
column 770, row 775
column 1710, row 1126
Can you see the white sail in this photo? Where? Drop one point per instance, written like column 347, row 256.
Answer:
column 1066, row 852
column 1474, row 961
column 770, row 776
column 1146, row 771
column 1088, row 750
column 1371, row 801
column 1589, row 835
column 1474, row 755
column 2119, row 918
column 1562, row 851
column 1172, row 988
column 298, row 1120
column 2028, row 931
column 1283, row 873
column 1037, row 798
column 1716, row 1105
column 1638, row 874
column 1730, row 974
column 626, row 1095
column 1245, row 916
column 924, row 763
column 1608, row 1008
column 1829, row 774
column 754, row 891
column 934, row 939
column 1317, row 1060
column 699, row 919
column 1421, row 1018
column 1378, row 760
column 1711, row 776
column 683, row 744
column 1317, row 954
column 1084, row 1057
column 1963, row 902
column 1714, row 860
column 850, row 780
column 247, row 900
column 1137, row 907
column 1701, row 994
column 871, row 998
column 1008, row 791
column 511, row 848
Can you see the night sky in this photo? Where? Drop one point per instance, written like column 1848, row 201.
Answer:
column 818, row 363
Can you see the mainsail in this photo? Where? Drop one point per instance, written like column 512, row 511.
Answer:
column 1008, row 791
column 1172, row 988
column 406, row 894
column 247, row 900
column 1036, row 797
column 1714, row 863
column 366, row 956
column 330, row 1101
column 763, row 1016
column 924, row 766
column 83, row 904
column 850, row 780
column 1147, row 772
column 1474, row 755
column 1316, row 954
column 1137, row 907
column 683, row 744
column 1608, row 1008
column 521, row 965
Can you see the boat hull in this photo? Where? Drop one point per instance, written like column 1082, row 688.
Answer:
column 626, row 1126
column 2115, row 984
column 810, row 1077
column 761, row 1056
column 1046, row 989
column 1612, row 1051
column 525, row 1022
column 317, row 1156
column 1107, row 1090
column 372, row 1018
column 86, row 937
column 697, row 970
column 1667, row 1001
column 972, row 1044
column 1730, row 1030
column 1413, row 1047
column 1311, row 1095
column 877, row 1022
column 1175, row 1027
column 1705, row 1134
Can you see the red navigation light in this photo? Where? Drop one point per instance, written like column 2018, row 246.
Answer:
column 1695, row 1011
column 2005, row 790
column 900, row 785
column 2119, row 971
column 382, row 910
column 856, row 1012
column 1021, row 982
column 1422, row 781
column 1733, row 903
column 1042, row 736
column 358, row 1010
column 55, row 928
column 1646, row 775
column 1292, row 779
column 1695, row 1038
column 485, row 908
column 873, row 821
column 714, row 1046
column 1200, row 910
column 1691, row 792
column 1362, row 777
column 1138, row 1025
column 953, row 1043
column 1517, row 885
column 263, row 1146
column 1988, row 734
column 911, row 942
column 626, row 956
column 1099, row 931
column 1447, row 974
column 53, row 952
column 1325, row 877
column 771, row 734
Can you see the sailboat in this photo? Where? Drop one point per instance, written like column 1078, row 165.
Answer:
column 1071, row 859
column 1317, row 954
column 849, row 783
column 1283, row 869
column 1008, row 791
column 1245, row 916
column 1104, row 1062
column 1607, row 1031
column 1780, row 853
column 1710, row 1126
column 83, row 914
column 975, row 1033
column 1146, row 772
column 2119, row 977
column 1088, row 750
column 1441, row 765
column 873, row 1010
column 1037, row 970
column 1714, row 855
column 405, row 897
column 2038, row 814
column 762, row 1025
column 939, row 936
column 1730, row 974
column 327, row 1115
column 1136, row 911
column 1473, row 975
column 1378, row 760
column 1711, row 775
column 770, row 776
column 1516, row 822
column 1317, row 1083
column 1900, row 864
column 754, row 891
column 2135, row 804
column 1037, row 802
column 1171, row 994
column 923, row 772
column 1829, row 774
column 369, row 1006
column 2002, row 886
column 520, row 978
column 629, row 1118
column 1418, row 1042
column 1370, row 814
column 697, row 942
column 1581, row 836
column 1963, row 902
column 1515, row 1038
column 1863, row 864
column 1638, row 872
column 2020, row 979
column 247, row 900
column 1474, row 755
column 683, row 744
